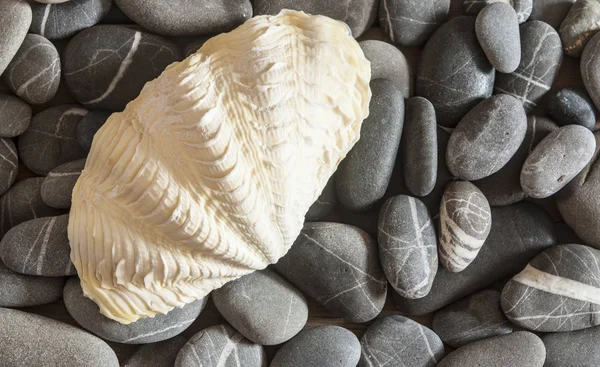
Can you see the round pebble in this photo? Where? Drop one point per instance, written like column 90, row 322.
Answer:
column 580, row 25
column 9, row 165
column 20, row 290
column 89, row 126
column 57, row 187
column 388, row 62
column 590, row 68
column 497, row 30
column 572, row 106
column 161, row 354
column 64, row 20
column 15, row 19
column 15, row 116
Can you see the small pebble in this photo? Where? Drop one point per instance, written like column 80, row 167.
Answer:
column 497, row 30
column 15, row 116
column 161, row 354
column 388, row 62
column 580, row 25
column 326, row 202
column 15, row 19
column 552, row 12
column 57, row 187
column 523, row 8
column 20, row 290
column 590, row 68
column 572, row 106
column 64, row 20
column 433, row 199
column 9, row 165
column 572, row 349
column 88, row 127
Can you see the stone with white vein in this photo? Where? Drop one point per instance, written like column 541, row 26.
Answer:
column 580, row 25
column 9, row 164
column 389, row 62
column 57, row 187
column 15, row 116
column 21, row 290
column 559, row 290
column 590, row 68
column 523, row 8
column 407, row 246
column 89, row 126
column 325, row 203
column 63, row 20
column 15, row 19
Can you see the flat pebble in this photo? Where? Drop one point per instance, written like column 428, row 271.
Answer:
column 523, row 8
column 15, row 116
column 64, row 20
column 337, row 265
column 326, row 202
column 20, row 290
column 88, row 127
column 580, row 25
column 552, row 12
column 497, row 30
column 320, row 346
column 32, row 340
column 57, row 187
column 385, row 344
column 590, row 68
column 572, row 349
column 572, row 106
column 433, row 199
column 146, row 330
column 9, row 165
column 15, row 19
column 388, row 62
column 161, row 354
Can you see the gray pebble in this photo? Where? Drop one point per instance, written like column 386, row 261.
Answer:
column 64, row 20
column 433, row 199
column 88, row 127
column 115, row 16
column 263, row 307
column 497, row 30
column 161, row 354
column 146, row 330
column 9, row 165
column 194, row 46
column 337, row 265
column 15, row 116
column 15, row 19
column 523, row 8
column 319, row 347
column 388, row 62
column 572, row 106
column 20, row 290
column 325, row 203
column 572, row 349
column 57, row 187
column 556, row 160
column 590, row 68
column 580, row 25
column 486, row 138
column 552, row 12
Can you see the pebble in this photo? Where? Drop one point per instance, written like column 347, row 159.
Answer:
column 187, row 18
column 263, row 307
column 541, row 57
column 320, row 346
column 478, row 316
column 590, row 68
column 385, row 344
column 115, row 79
column 20, row 290
column 146, row 330
column 161, row 354
column 326, row 202
column 454, row 91
column 39, row 247
column 363, row 176
column 32, row 340
column 388, row 62
column 580, row 25
column 486, row 138
column 419, row 147
column 51, row 139
column 552, row 12
column 412, row 22
column 194, row 46
column 64, row 20
column 88, row 127
column 338, row 266
column 15, row 116
column 556, row 160
column 523, row 8
column 519, row 232
column 433, row 199
column 520, row 348
column 407, row 246
column 15, row 19
column 220, row 345
column 582, row 350
column 23, row 202
column 9, row 165
column 556, row 291
column 465, row 222
column 34, row 72
column 497, row 30
column 572, row 106
column 57, row 187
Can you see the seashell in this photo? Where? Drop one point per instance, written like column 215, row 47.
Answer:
column 207, row 175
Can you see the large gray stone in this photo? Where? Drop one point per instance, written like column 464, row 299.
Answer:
column 572, row 349
column 497, row 30
column 15, row 19
column 64, row 20
column 15, row 116
column 57, row 187
column 590, row 69
column 580, row 25
column 20, row 290
column 572, row 106
column 9, row 165
column 388, row 62
column 161, row 354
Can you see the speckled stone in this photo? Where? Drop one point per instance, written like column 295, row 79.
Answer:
column 385, row 344
column 9, row 164
column 15, row 19
column 581, row 351
column 263, row 307
column 57, row 187
column 552, row 12
column 497, row 30
column 590, row 68
column 15, row 116
column 146, row 330
column 556, row 160
column 88, row 127
column 572, row 106
column 320, row 346
column 454, row 90
column 486, row 138
column 523, row 8
column 161, row 354
column 337, row 265
column 580, row 25
column 20, row 290
column 64, row 20
column 32, row 340
column 388, row 62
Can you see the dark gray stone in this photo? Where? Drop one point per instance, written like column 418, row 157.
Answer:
column 57, row 187
column 497, row 30
column 407, row 246
column 64, row 20
column 590, row 69
column 399, row 341
column 541, row 57
column 572, row 349
column 473, row 318
column 15, row 116
column 556, row 160
column 486, row 138
column 337, row 265
column 520, row 348
column 419, row 147
column 88, row 127
column 187, row 18
column 15, row 19
column 112, row 78
column 115, row 16
column 320, row 346
column 161, row 354
column 523, row 8
column 220, row 345
column 519, row 232
column 20, row 290
column 555, row 291
column 193, row 46
column 263, row 307
column 146, row 330
column 572, row 106
column 51, row 139
column 433, row 199
column 32, row 340
column 580, row 25
column 454, row 76
column 325, row 203
column 363, row 176
column 552, row 12
column 388, row 62
column 39, row 247
column 9, row 165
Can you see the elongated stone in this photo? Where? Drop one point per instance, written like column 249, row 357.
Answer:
column 590, row 69
column 580, row 25
column 15, row 116
column 20, row 290
column 57, row 187
column 63, row 20
column 9, row 164
column 497, row 30
column 388, row 62
column 572, row 106
column 15, row 19
column 433, row 199
column 572, row 349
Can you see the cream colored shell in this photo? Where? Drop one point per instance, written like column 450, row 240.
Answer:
column 207, row 175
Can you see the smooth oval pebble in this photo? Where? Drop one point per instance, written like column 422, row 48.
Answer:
column 572, row 349
column 263, row 307
column 580, row 25
column 497, row 30
column 363, row 176
column 556, row 291
column 556, row 160
column 521, row 348
column 39, row 247
column 590, row 69
column 64, row 20
column 523, row 8
column 89, row 126
column 146, row 330
column 552, row 12
column 407, row 246
column 486, row 138
column 318, row 347
column 337, row 265
column 161, row 354
column 572, row 106
column 116, row 79
column 433, row 199
column 220, row 345
column 386, row 341
column 9, row 165
column 15, row 19
column 32, row 340
column 15, row 116
column 20, row 290
column 57, row 187
column 388, row 62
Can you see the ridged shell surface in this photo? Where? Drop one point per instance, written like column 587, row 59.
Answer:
column 207, row 175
